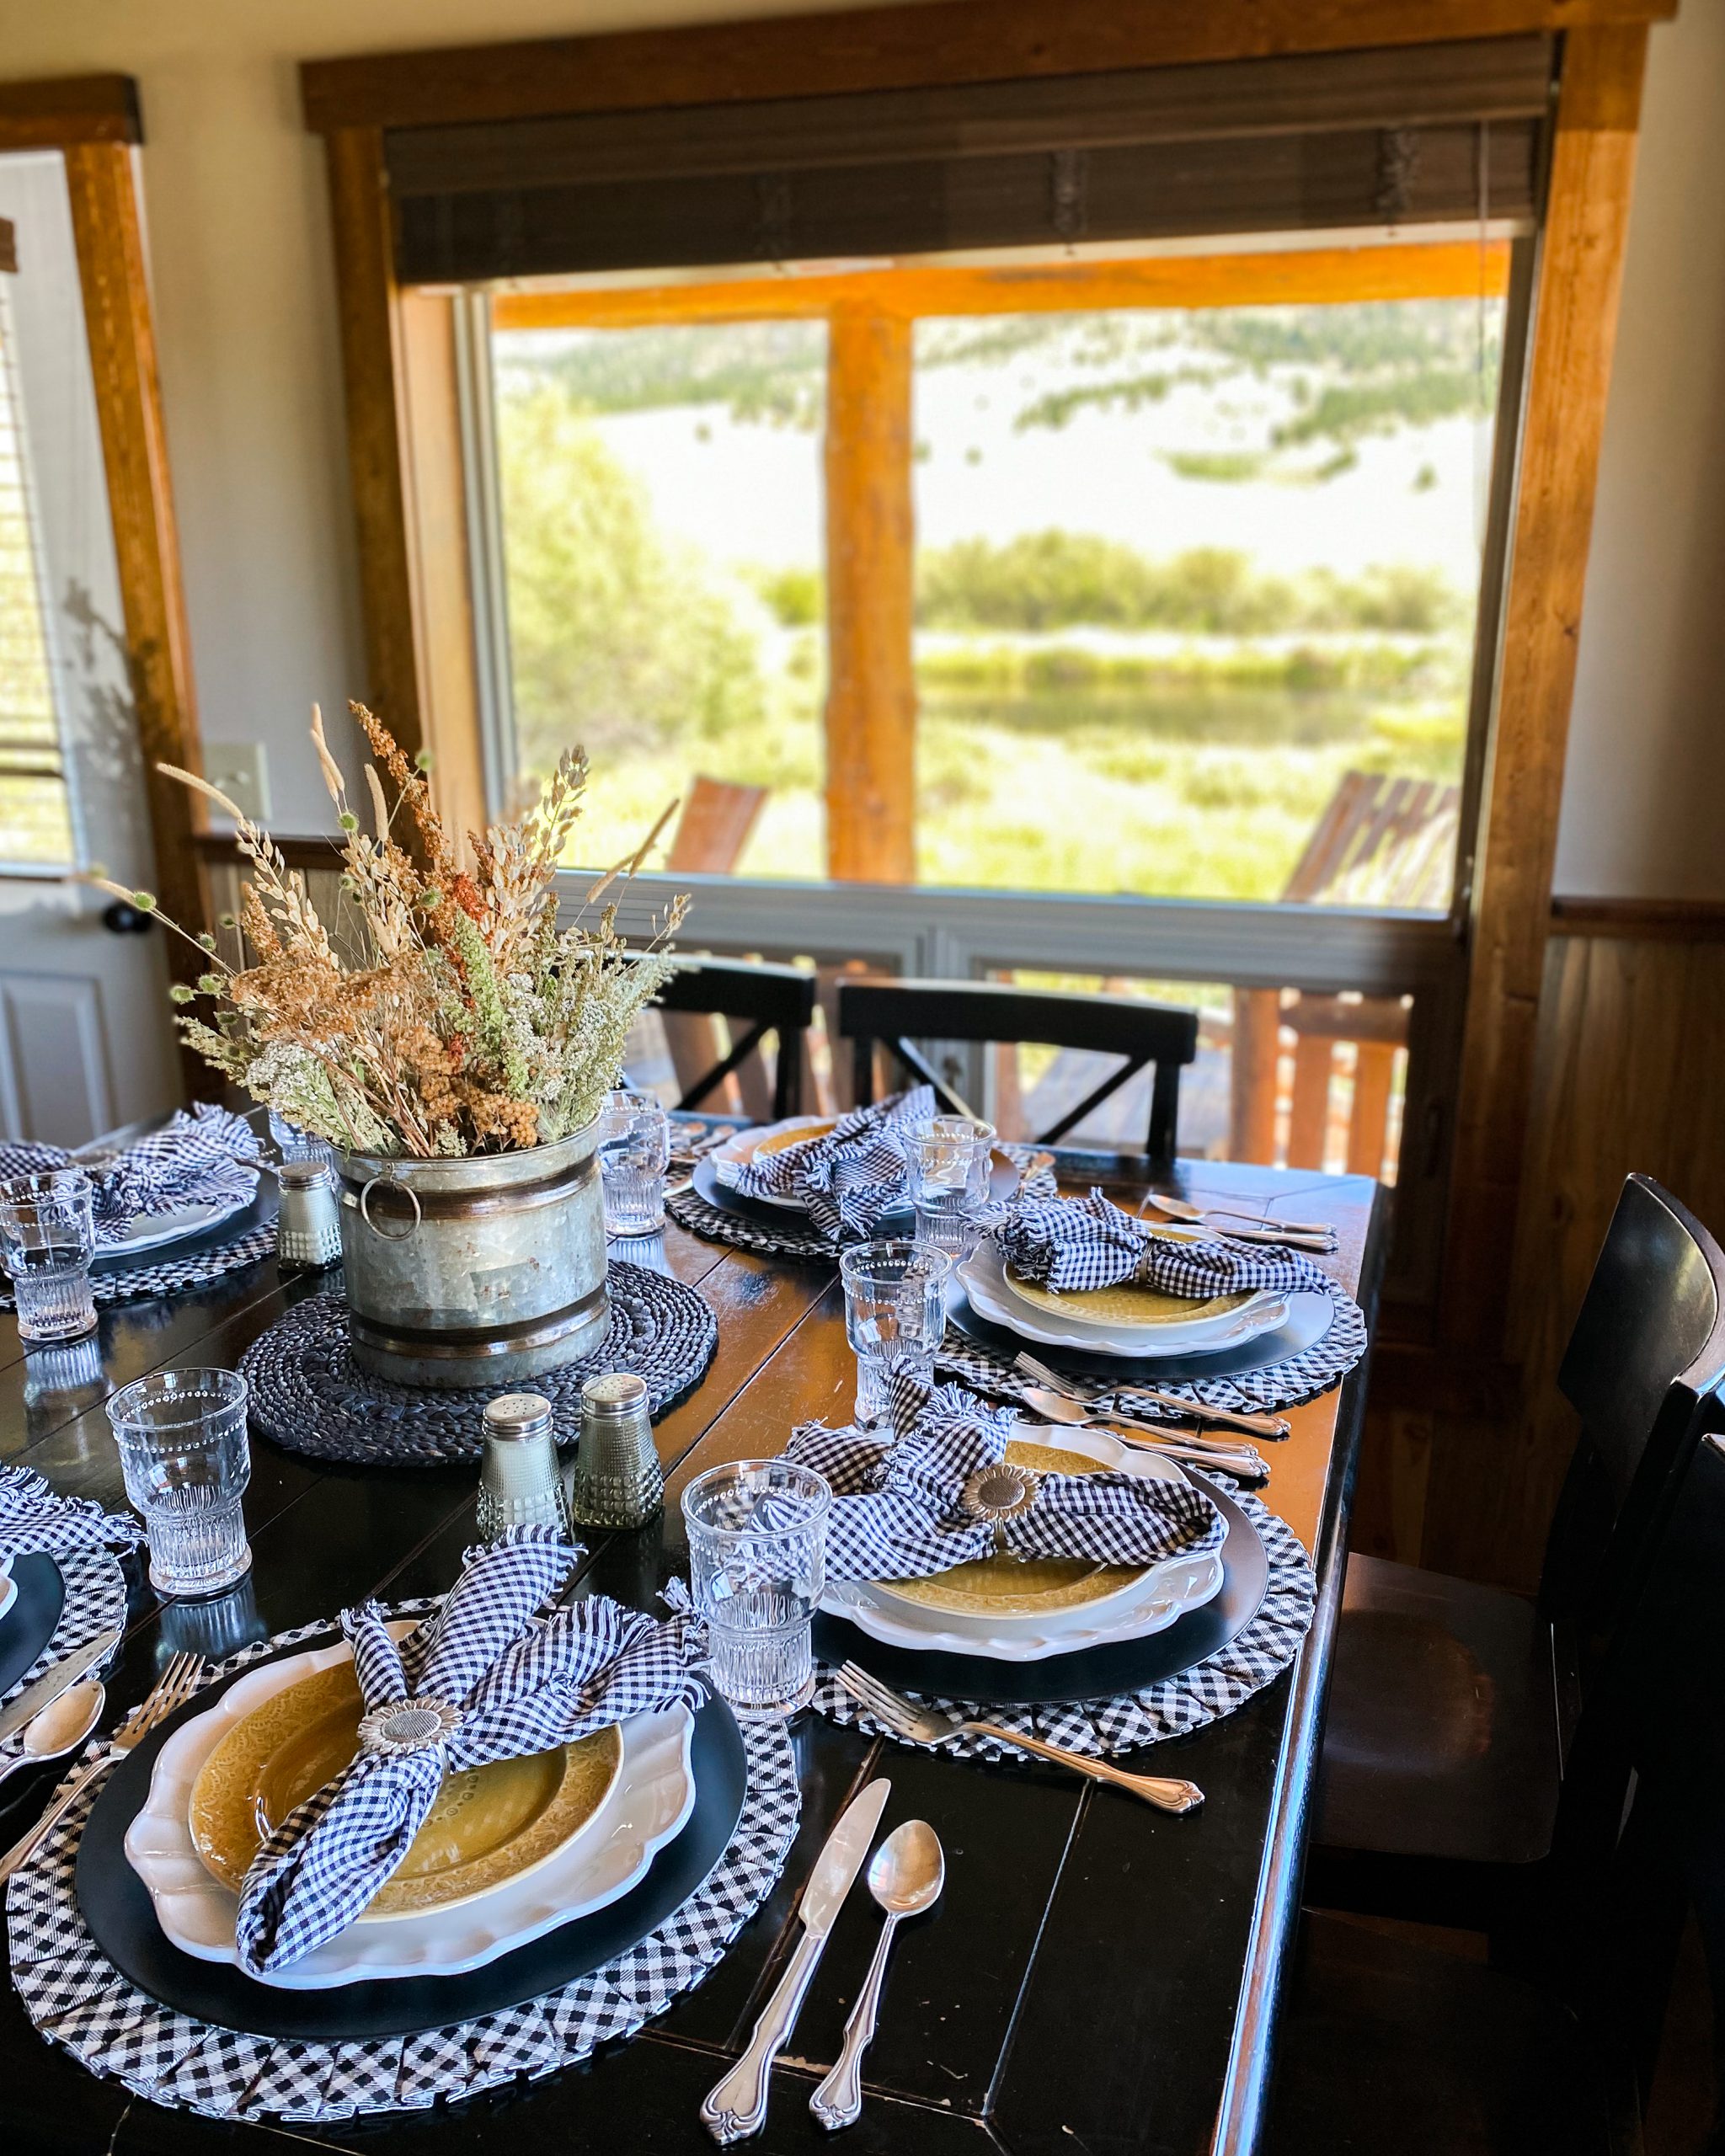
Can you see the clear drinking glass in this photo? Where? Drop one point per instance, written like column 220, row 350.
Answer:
column 634, row 1145
column 949, row 1159
column 894, row 1314
column 757, row 1549
column 47, row 1238
column 182, row 1448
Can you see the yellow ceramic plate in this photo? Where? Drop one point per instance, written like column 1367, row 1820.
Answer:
column 1128, row 1303
column 777, row 1141
column 490, row 1824
column 1012, row 1587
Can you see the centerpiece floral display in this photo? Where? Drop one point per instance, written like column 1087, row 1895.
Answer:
column 443, row 1012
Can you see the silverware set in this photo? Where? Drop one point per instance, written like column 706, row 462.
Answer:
column 180, row 1679
column 1316, row 1236
column 905, row 1878
column 1104, row 1398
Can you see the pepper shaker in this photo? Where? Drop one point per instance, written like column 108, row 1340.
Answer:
column 519, row 1484
column 616, row 1480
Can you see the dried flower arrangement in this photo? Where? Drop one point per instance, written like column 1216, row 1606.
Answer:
column 472, row 1023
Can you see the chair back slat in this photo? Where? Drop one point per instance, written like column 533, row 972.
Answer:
column 897, row 1014
column 766, row 999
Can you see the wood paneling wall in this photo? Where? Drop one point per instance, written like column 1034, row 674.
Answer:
column 1462, row 1466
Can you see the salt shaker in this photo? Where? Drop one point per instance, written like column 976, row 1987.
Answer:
column 308, row 1223
column 520, row 1485
column 617, row 1481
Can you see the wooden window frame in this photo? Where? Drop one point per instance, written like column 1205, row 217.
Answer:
column 94, row 122
column 401, row 452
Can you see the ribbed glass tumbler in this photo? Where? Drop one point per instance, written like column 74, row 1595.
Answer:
column 186, row 1459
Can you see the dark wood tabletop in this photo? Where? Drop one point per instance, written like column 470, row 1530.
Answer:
column 1098, row 1979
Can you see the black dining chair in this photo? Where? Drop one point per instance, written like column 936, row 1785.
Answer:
column 897, row 1014
column 1390, row 2046
column 766, row 999
column 1452, row 1705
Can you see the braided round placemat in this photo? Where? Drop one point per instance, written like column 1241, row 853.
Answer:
column 308, row 1396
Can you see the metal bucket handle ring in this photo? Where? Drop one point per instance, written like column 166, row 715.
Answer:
column 407, row 1191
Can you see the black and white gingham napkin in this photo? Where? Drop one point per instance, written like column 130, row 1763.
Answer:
column 849, row 1178
column 32, row 1517
column 923, row 1500
column 488, row 1678
column 1089, row 1242
column 196, row 1159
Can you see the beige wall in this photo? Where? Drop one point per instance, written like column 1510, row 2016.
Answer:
column 241, row 264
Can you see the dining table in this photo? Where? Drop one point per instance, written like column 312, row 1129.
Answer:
column 1098, row 1978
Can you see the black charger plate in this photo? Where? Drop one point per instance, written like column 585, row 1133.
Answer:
column 1104, row 1672
column 1311, row 1315
column 117, row 1908
column 28, row 1625
column 258, row 1215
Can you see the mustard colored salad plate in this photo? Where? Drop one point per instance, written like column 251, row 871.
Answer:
column 488, row 1825
column 1072, row 1319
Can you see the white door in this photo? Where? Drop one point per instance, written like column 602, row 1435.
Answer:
column 86, row 1040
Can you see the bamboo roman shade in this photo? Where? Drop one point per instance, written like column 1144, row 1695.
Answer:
column 1404, row 135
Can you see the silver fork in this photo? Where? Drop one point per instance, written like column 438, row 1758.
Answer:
column 172, row 1689
column 923, row 1725
column 1090, row 1394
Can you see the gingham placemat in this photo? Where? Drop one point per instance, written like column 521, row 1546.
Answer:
column 1173, row 1708
column 717, row 1224
column 308, row 1396
column 79, row 2000
column 1290, row 1382
column 95, row 1601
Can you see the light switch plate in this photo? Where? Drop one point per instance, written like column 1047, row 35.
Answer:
column 242, row 771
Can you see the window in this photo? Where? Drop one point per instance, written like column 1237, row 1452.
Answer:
column 35, row 815
column 1193, row 587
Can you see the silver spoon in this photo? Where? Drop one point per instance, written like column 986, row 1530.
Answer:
column 1185, row 1445
column 61, row 1726
column 905, row 1876
column 1183, row 1208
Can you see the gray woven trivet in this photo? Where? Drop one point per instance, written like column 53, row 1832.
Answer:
column 78, row 1999
column 1173, row 1708
column 165, row 1276
column 307, row 1396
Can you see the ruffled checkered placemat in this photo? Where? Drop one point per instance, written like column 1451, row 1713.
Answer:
column 308, row 1396
column 1290, row 1382
column 165, row 1275
column 79, row 2000
column 1173, row 1708
column 95, row 1601
column 717, row 1224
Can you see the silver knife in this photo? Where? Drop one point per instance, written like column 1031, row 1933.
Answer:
column 53, row 1681
column 737, row 2107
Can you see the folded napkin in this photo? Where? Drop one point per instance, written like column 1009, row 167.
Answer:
column 192, row 1159
column 33, row 1517
column 849, row 1176
column 488, row 1678
column 1089, row 1242
column 940, row 1493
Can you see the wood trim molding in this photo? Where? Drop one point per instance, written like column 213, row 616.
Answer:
column 1580, row 276
column 1641, row 920
column 1305, row 276
column 54, row 113
column 951, row 41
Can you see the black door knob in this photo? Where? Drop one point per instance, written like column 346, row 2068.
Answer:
column 125, row 920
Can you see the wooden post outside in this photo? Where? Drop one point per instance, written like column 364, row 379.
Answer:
column 122, row 342
column 1258, row 1027
column 1575, row 319
column 871, row 705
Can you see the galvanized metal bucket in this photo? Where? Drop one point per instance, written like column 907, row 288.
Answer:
column 477, row 1271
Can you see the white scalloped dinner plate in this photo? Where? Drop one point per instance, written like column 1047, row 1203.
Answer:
column 155, row 1230
column 649, row 1805
column 985, row 1281
column 1150, row 1604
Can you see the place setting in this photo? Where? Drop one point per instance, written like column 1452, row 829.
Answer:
column 179, row 1207
column 807, row 1187
column 407, row 1855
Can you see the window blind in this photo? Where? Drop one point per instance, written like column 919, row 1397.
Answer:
column 1402, row 135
